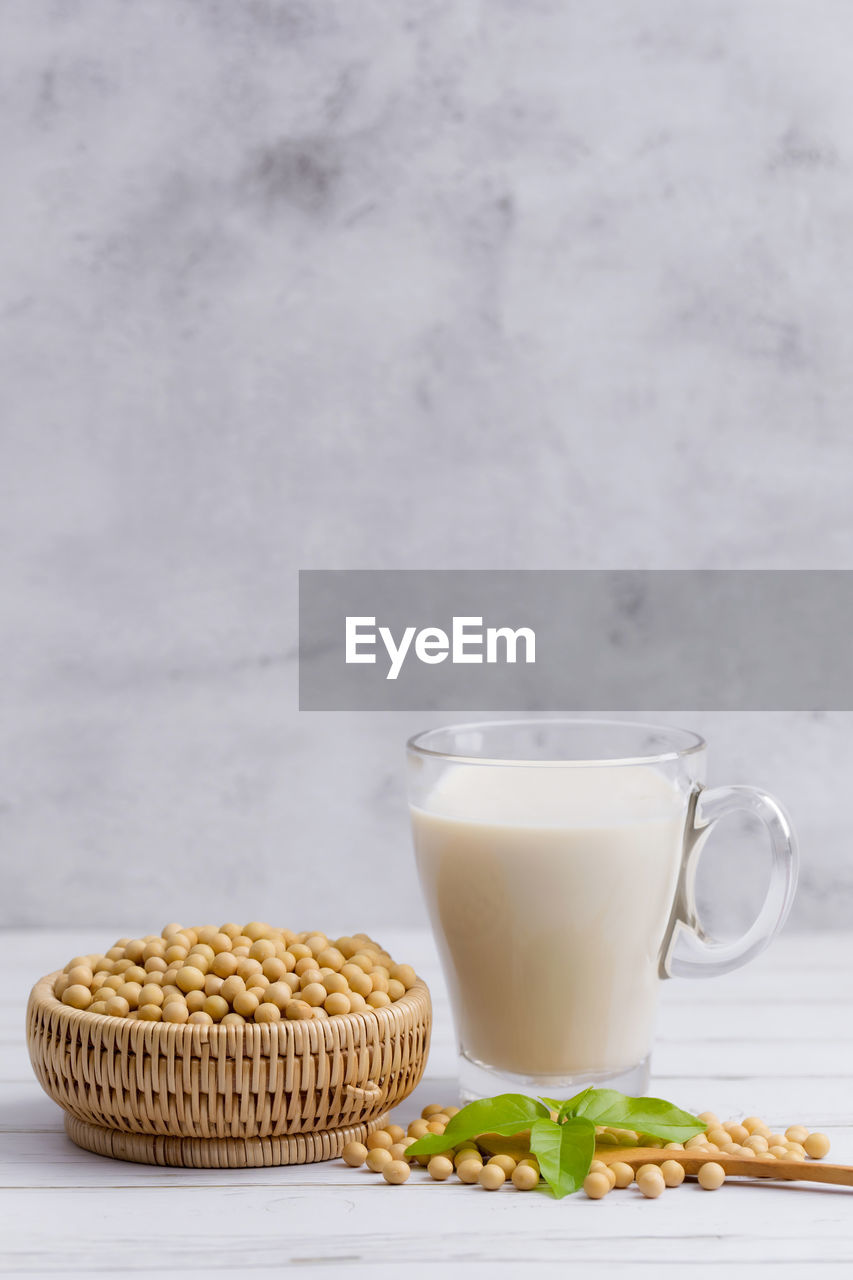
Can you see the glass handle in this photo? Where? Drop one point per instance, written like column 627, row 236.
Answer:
column 688, row 951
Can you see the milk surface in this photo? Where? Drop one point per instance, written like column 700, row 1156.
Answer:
column 550, row 889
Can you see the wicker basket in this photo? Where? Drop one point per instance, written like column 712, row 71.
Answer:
column 213, row 1097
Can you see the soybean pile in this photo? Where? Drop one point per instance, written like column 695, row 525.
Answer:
column 234, row 974
column 384, row 1152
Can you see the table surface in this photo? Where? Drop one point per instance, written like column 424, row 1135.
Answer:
column 775, row 1040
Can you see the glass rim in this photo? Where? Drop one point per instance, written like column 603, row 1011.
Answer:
column 694, row 742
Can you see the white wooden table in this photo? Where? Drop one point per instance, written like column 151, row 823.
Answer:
column 775, row 1039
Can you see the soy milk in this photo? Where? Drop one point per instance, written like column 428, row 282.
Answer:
column 550, row 889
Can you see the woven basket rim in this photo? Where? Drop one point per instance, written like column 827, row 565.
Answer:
column 42, row 998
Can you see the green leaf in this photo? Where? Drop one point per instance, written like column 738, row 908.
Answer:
column 564, row 1152
column 571, row 1106
column 654, row 1116
column 506, row 1114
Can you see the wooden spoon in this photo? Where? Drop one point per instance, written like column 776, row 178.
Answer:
column 790, row 1170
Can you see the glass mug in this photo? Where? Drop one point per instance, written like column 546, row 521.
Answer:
column 558, row 862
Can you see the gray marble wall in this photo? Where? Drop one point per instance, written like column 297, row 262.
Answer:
column 441, row 283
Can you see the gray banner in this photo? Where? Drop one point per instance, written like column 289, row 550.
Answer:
column 466, row 640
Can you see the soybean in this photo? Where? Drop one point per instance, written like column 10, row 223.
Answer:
column 377, row 1158
column 598, row 1166
column 672, row 1173
column 596, row 1185
column 525, row 1177
column 355, row 1154
column 650, row 1181
column 491, row 1177
column 440, row 1168
column 711, row 1176
column 623, row 1173
column 816, row 1145
column 470, row 1170
column 396, row 1172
